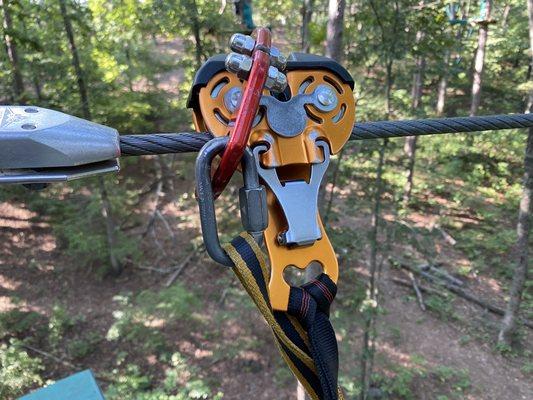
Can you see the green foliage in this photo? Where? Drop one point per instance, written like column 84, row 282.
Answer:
column 527, row 368
column 82, row 347
column 442, row 306
column 403, row 382
column 132, row 384
column 58, row 324
column 400, row 385
column 18, row 371
column 457, row 380
column 135, row 315
column 19, row 323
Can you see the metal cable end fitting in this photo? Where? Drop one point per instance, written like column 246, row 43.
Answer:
column 276, row 81
column 242, row 44
column 277, row 59
column 238, row 64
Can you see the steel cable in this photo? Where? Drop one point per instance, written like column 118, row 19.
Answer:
column 418, row 127
column 164, row 143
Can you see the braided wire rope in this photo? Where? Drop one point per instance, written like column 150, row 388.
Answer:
column 162, row 143
column 165, row 143
column 419, row 127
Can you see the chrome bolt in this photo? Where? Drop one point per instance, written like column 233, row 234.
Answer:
column 232, row 99
column 243, row 44
column 327, row 98
column 277, row 59
column 238, row 64
column 276, row 81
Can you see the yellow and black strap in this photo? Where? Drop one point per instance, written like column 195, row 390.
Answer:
column 304, row 335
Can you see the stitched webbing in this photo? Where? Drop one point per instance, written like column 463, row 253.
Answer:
column 304, row 335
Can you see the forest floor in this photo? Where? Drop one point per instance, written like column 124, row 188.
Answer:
column 447, row 351
column 126, row 328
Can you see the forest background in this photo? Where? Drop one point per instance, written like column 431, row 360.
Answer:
column 110, row 274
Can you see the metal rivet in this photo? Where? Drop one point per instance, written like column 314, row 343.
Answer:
column 326, row 96
column 29, row 127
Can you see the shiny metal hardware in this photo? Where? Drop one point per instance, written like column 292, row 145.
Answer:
column 277, row 59
column 232, row 99
column 289, row 118
column 243, row 44
column 239, row 65
column 298, row 199
column 276, row 81
column 252, row 197
column 327, row 98
column 44, row 146
column 57, row 174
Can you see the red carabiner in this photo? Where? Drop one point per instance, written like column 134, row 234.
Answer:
column 246, row 113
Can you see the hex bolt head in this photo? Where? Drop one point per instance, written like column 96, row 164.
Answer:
column 232, row 99
column 277, row 59
column 276, row 81
column 243, row 44
column 327, row 98
column 238, row 64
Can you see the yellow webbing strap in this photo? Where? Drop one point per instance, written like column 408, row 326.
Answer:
column 291, row 337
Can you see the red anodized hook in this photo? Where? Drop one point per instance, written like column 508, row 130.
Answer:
column 246, row 113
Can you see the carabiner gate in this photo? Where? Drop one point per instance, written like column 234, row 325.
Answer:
column 252, row 199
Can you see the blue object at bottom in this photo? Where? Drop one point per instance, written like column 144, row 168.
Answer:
column 80, row 386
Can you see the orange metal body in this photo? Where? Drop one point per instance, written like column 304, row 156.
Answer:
column 292, row 157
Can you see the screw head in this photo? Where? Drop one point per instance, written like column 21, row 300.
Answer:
column 327, row 98
column 232, row 99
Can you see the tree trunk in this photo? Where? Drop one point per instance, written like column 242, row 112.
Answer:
column 198, row 47
column 418, row 83
column 369, row 329
column 410, row 151
column 505, row 17
column 107, row 214
column 416, row 98
column 82, row 88
column 307, row 13
column 443, row 82
column 508, row 326
column 479, row 62
column 111, row 228
column 334, row 48
column 11, row 51
column 443, row 86
column 300, row 392
column 334, row 178
column 369, row 335
column 37, row 87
